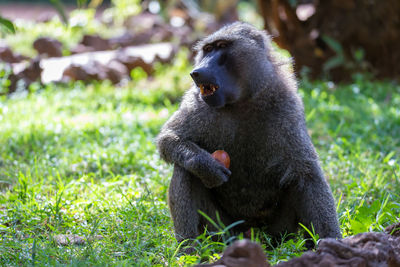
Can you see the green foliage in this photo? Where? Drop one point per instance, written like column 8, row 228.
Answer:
column 353, row 63
column 5, row 72
column 60, row 9
column 121, row 10
column 81, row 21
column 6, row 25
column 311, row 233
column 79, row 159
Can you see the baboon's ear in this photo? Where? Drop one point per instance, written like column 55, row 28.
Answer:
column 260, row 40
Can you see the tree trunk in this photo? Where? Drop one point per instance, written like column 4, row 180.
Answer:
column 337, row 37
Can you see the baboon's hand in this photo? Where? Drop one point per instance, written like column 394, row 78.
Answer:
column 209, row 170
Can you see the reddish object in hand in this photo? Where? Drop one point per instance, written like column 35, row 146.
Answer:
column 222, row 157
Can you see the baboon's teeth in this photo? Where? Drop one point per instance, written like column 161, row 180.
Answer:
column 202, row 89
column 208, row 89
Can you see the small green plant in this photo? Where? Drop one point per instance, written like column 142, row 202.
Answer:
column 6, row 25
column 311, row 233
column 354, row 63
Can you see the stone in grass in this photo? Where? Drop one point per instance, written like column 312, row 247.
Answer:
column 6, row 55
column 242, row 253
column 362, row 250
column 96, row 42
column 93, row 70
column 24, row 74
column 393, row 230
column 73, row 239
column 131, row 62
column 49, row 47
column 88, row 72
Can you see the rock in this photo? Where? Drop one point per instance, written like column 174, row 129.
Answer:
column 128, row 39
column 49, row 47
column 242, row 253
column 65, row 240
column 393, row 230
column 7, row 55
column 131, row 57
column 156, row 35
column 33, row 71
column 131, row 62
column 73, row 239
column 96, row 42
column 25, row 73
column 362, row 250
column 93, row 70
column 161, row 52
column 80, row 48
column 116, row 71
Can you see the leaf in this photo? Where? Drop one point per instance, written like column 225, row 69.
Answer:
column 332, row 43
column 81, row 3
column 7, row 24
column 358, row 227
column 95, row 3
column 60, row 9
column 359, row 55
column 333, row 63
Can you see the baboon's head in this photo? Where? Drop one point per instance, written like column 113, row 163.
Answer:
column 231, row 64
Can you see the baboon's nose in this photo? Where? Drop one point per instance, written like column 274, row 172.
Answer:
column 195, row 74
column 202, row 75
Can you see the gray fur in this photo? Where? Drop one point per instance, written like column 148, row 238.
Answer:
column 275, row 179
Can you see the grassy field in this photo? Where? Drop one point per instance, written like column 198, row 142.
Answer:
column 81, row 159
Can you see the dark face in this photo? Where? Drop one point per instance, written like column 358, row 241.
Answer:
column 215, row 75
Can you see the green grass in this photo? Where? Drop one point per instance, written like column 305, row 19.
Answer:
column 82, row 160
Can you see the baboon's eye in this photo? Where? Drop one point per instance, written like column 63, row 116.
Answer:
column 222, row 44
column 208, row 48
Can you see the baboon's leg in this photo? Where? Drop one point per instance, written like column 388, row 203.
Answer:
column 315, row 205
column 187, row 195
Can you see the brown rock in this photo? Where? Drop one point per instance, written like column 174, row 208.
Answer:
column 132, row 62
column 393, row 230
column 113, row 71
column 88, row 72
column 80, row 48
column 362, row 250
column 128, row 39
column 49, row 47
column 131, row 57
column 33, row 71
column 96, row 42
column 242, row 253
column 116, row 71
column 25, row 74
column 6, row 55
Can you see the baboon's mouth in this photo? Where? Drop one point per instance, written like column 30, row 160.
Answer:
column 208, row 89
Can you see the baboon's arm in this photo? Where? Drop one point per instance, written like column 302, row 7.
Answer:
column 175, row 146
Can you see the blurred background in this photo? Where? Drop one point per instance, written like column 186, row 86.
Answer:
column 332, row 39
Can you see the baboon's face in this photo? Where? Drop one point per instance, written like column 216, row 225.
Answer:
column 214, row 75
column 228, row 64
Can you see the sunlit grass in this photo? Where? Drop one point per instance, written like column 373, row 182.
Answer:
column 81, row 159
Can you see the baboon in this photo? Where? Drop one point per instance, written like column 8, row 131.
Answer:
column 244, row 100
